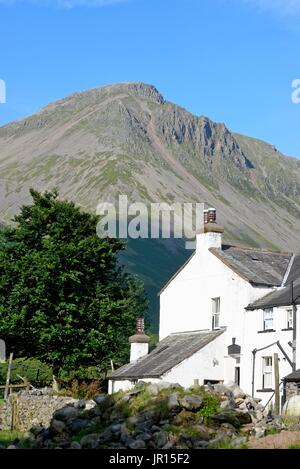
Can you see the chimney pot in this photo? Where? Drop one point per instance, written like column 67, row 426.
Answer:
column 205, row 216
column 212, row 215
column 140, row 326
column 210, row 235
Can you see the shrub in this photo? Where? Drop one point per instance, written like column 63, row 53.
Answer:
column 37, row 373
column 85, row 390
column 81, row 373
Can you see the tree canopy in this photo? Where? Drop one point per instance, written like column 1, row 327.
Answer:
column 64, row 298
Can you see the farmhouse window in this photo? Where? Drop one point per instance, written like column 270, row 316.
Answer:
column 216, row 313
column 267, row 373
column 289, row 312
column 268, row 319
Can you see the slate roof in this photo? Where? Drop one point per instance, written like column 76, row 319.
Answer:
column 257, row 266
column 168, row 353
column 294, row 376
column 282, row 297
column 294, row 273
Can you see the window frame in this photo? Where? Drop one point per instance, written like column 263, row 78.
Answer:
column 216, row 311
column 267, row 371
column 290, row 320
column 266, row 311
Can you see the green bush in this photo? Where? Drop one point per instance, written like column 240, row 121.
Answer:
column 81, row 373
column 37, row 373
column 211, row 405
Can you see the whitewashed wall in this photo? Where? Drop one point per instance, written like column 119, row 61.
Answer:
column 185, row 305
column 125, row 385
column 207, row 363
column 254, row 339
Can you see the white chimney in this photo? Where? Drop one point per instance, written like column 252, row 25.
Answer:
column 139, row 342
column 210, row 235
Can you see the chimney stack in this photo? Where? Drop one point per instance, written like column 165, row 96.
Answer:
column 139, row 341
column 234, row 349
column 210, row 235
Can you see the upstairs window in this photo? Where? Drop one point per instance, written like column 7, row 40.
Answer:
column 268, row 319
column 216, row 303
column 289, row 313
column 267, row 377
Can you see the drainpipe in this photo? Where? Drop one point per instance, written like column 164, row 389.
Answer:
column 294, row 344
column 253, row 369
column 259, row 350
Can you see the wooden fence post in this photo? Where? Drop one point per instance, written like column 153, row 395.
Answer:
column 8, row 377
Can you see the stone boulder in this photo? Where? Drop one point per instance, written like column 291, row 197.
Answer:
column 57, row 426
column 66, row 413
column 233, row 417
column 90, row 441
column 191, row 402
column 101, row 399
column 155, row 388
column 160, row 439
column 137, row 444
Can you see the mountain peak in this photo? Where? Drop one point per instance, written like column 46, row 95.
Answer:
column 139, row 89
column 124, row 138
column 91, row 96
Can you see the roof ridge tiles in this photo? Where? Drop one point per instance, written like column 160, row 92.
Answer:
column 250, row 248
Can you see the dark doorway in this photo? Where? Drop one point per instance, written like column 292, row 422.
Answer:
column 237, row 375
column 211, row 381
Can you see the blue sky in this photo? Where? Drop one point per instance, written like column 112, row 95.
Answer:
column 232, row 60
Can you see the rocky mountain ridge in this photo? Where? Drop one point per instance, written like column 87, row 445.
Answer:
column 127, row 139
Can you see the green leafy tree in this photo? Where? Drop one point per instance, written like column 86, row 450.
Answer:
column 64, row 298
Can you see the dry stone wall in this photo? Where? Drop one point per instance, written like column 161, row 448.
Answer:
column 25, row 410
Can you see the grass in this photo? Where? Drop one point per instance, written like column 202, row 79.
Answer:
column 192, row 431
column 87, row 431
column 224, row 444
column 227, row 444
column 210, row 407
column 15, row 437
column 289, row 420
column 295, row 446
column 272, row 431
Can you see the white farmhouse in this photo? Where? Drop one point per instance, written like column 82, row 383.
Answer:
column 223, row 315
